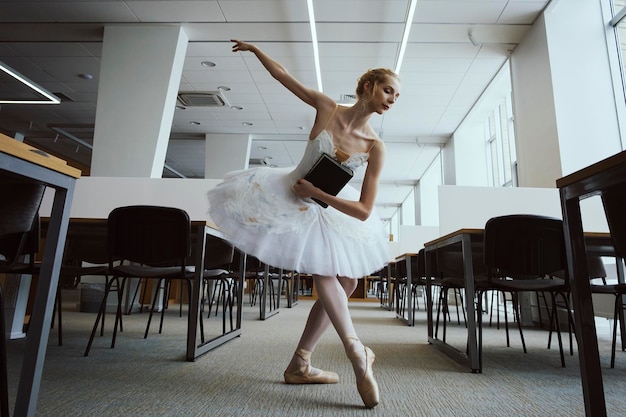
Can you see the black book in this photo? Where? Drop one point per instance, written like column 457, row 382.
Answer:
column 328, row 175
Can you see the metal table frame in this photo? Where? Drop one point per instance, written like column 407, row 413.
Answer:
column 39, row 328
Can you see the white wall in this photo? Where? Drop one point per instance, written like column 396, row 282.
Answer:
column 537, row 146
column 470, row 154
column 225, row 153
column 412, row 238
column 471, row 207
column 582, row 84
column 95, row 197
column 427, row 188
column 563, row 94
column 583, row 89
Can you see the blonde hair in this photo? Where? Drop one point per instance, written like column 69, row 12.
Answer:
column 374, row 77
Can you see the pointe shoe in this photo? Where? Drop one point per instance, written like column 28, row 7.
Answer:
column 367, row 386
column 303, row 374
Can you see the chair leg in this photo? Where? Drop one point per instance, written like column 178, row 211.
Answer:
column 445, row 308
column 615, row 321
column 118, row 314
column 154, row 301
column 439, row 311
column 506, row 318
column 60, row 313
column 58, row 302
column 180, row 307
column 101, row 313
column 519, row 321
column 4, row 383
column 463, row 307
column 555, row 317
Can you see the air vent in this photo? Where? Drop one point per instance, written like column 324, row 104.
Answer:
column 259, row 161
column 347, row 99
column 202, row 99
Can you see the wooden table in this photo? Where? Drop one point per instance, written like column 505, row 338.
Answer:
column 405, row 262
column 573, row 188
column 471, row 241
column 32, row 165
column 200, row 229
column 465, row 240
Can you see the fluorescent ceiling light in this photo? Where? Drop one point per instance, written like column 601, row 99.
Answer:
column 316, row 53
column 51, row 98
column 405, row 35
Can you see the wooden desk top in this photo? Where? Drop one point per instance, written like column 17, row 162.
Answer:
column 404, row 256
column 454, row 234
column 28, row 153
column 591, row 170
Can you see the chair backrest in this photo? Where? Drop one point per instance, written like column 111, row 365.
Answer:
column 524, row 246
column 150, row 235
column 614, row 202
column 19, row 220
column 86, row 243
column 219, row 254
column 449, row 264
column 16, row 245
column 19, row 205
column 418, row 269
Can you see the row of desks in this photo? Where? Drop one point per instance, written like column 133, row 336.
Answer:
column 573, row 189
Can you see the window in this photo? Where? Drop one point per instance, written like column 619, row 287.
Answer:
column 616, row 13
column 619, row 23
column 500, row 138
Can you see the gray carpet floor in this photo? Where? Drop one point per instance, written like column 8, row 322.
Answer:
column 149, row 377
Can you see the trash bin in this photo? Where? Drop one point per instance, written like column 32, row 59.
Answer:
column 90, row 296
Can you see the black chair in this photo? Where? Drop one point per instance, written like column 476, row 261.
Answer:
column 385, row 290
column 614, row 202
column 85, row 254
column 217, row 275
column 18, row 214
column 151, row 242
column 522, row 253
column 219, row 284
column 418, row 279
column 449, row 273
column 599, row 285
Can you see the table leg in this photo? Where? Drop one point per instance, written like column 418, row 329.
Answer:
column 473, row 350
column 43, row 306
column 429, row 294
column 409, row 293
column 588, row 355
column 193, row 318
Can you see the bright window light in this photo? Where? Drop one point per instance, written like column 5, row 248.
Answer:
column 52, row 99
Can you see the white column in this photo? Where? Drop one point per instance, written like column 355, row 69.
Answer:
column 139, row 80
column 225, row 153
column 564, row 103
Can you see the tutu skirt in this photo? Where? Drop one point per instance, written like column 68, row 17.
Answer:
column 261, row 215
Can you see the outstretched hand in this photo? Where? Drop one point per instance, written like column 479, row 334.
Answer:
column 241, row 46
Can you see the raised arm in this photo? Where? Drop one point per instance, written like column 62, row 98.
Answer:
column 280, row 73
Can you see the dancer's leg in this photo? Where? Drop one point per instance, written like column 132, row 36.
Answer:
column 316, row 325
column 318, row 320
column 335, row 303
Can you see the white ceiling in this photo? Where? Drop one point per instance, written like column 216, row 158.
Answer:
column 443, row 73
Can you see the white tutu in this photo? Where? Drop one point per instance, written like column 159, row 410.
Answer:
column 261, row 215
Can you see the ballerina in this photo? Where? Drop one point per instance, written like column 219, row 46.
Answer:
column 269, row 213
